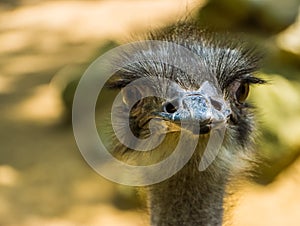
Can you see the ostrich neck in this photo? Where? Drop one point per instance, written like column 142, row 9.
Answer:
column 189, row 198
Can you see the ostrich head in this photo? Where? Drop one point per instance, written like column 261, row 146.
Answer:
column 195, row 102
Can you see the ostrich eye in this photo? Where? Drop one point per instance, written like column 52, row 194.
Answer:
column 242, row 92
column 168, row 107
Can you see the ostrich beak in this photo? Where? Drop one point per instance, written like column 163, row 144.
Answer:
column 197, row 111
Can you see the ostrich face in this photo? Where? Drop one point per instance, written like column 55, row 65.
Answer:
column 214, row 95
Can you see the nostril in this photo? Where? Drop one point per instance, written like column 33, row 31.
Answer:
column 217, row 105
column 169, row 108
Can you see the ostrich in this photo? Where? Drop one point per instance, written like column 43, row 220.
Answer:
column 193, row 196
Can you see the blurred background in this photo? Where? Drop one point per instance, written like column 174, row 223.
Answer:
column 45, row 46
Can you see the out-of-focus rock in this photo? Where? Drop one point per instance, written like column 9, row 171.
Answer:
column 263, row 16
column 279, row 104
column 279, row 116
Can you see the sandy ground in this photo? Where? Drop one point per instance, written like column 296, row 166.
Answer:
column 43, row 178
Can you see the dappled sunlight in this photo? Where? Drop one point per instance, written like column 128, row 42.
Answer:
column 81, row 190
column 7, row 84
column 43, row 106
column 30, row 63
column 276, row 204
column 15, row 41
column 81, row 20
column 90, row 215
column 8, row 176
column 106, row 215
column 289, row 39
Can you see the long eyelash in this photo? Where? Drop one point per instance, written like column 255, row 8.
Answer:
column 253, row 80
column 246, row 79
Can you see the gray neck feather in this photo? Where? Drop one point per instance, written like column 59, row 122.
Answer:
column 189, row 198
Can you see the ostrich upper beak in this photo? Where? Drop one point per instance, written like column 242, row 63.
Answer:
column 196, row 112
